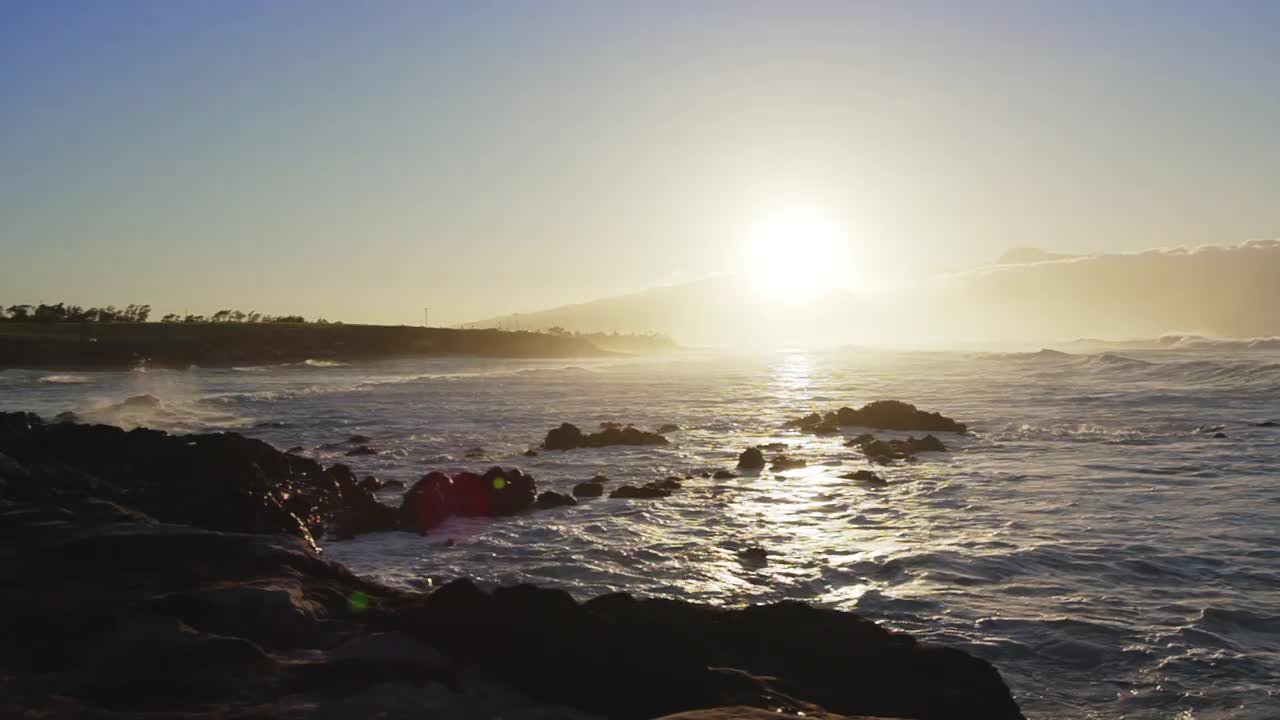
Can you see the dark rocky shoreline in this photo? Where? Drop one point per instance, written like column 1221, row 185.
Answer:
column 105, row 346
column 149, row 573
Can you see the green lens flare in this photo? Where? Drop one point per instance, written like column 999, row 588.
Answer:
column 499, row 483
column 358, row 601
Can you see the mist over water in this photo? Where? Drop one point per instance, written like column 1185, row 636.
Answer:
column 1092, row 537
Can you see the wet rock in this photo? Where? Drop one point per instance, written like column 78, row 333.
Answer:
column 533, row 638
column 1267, row 424
column 66, row 417
column 388, row 484
column 428, row 503
column 884, row 451
column 599, row 479
column 359, row 440
column 474, row 453
column 588, row 490
column 569, row 437
column 121, row 616
column 361, row 512
column 371, row 483
column 671, row 483
column 753, row 555
column 221, row 481
column 294, row 450
column 436, row 496
column 865, row 476
column 724, row 475
column 646, row 492
column 530, row 453
column 782, row 463
column 751, row 459
column 882, row 414
column 1219, row 435
column 668, row 428
column 549, row 499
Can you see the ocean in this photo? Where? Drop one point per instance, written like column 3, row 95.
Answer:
column 1108, row 533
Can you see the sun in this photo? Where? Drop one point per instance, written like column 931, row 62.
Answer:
column 796, row 254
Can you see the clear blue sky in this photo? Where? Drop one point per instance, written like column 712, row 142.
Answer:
column 361, row 160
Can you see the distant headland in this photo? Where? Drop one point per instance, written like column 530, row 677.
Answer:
column 63, row 337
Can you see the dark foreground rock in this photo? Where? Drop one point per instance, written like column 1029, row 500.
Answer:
column 570, row 437
column 224, row 481
column 108, row 612
column 881, row 414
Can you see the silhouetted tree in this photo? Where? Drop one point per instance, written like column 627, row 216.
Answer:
column 19, row 312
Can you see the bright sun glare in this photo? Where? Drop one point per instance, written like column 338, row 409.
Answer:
column 796, row 254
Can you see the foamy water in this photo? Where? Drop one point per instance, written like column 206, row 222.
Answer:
column 1091, row 537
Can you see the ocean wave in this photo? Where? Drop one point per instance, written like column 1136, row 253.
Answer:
column 312, row 362
column 65, row 380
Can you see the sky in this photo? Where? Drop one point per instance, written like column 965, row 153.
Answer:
column 359, row 161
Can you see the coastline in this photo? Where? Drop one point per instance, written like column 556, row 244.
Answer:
column 115, row 346
column 150, row 572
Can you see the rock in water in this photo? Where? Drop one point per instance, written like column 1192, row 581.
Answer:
column 362, row 450
column 548, row 499
column 882, row 414
column 588, row 490
column 884, row 451
column 724, row 475
column 645, row 492
column 569, row 437
column 751, row 459
column 782, row 463
column 865, row 476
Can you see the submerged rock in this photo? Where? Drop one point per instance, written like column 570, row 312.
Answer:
column 753, row 555
column 782, row 463
column 724, row 475
column 882, row 414
column 588, row 490
column 645, row 492
column 1267, row 424
column 569, row 437
column 865, row 476
column 668, row 428
column 362, row 450
column 751, row 459
column 550, row 499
